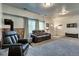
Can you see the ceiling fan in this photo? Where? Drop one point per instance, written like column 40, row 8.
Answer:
column 63, row 11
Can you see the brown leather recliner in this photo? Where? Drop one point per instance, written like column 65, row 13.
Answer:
column 17, row 46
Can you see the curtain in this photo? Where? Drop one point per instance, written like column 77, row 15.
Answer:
column 41, row 25
column 37, row 24
column 26, row 28
column 31, row 25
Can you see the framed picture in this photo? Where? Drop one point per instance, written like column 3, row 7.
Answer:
column 47, row 24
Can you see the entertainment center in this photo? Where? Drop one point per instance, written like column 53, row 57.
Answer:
column 69, row 26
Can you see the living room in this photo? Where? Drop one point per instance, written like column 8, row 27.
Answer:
column 43, row 28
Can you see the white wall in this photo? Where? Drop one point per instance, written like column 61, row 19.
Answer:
column 65, row 20
column 18, row 21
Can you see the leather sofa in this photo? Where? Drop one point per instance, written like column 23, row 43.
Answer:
column 17, row 46
column 40, row 35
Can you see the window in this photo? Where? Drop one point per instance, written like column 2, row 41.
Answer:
column 31, row 25
column 41, row 25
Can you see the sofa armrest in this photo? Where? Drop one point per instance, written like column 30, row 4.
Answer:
column 23, row 41
column 33, row 35
column 10, row 45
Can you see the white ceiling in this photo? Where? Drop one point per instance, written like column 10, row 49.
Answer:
column 39, row 9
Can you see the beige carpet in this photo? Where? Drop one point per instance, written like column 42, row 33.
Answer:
column 59, row 47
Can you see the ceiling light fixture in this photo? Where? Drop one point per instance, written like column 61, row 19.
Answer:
column 63, row 11
column 48, row 4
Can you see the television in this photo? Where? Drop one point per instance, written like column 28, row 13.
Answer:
column 9, row 22
column 72, row 25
